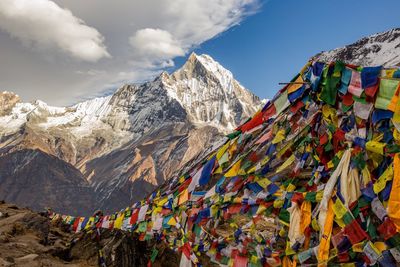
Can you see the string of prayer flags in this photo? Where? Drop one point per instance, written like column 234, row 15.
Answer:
column 312, row 179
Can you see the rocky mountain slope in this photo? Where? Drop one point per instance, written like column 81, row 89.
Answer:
column 42, row 178
column 127, row 143
column 31, row 239
column 381, row 49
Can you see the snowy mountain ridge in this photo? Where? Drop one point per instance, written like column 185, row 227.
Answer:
column 375, row 50
column 184, row 86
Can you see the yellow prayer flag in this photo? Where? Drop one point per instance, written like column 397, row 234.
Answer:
column 394, row 101
column 340, row 222
column 162, row 201
column 227, row 198
column 329, row 114
column 375, row 147
column 264, row 182
column 319, row 196
column 172, row 221
column 261, row 209
column 265, row 160
column 330, row 164
column 314, row 224
column 252, row 169
column 214, row 209
column 223, row 149
column 218, row 170
column 387, row 175
column 286, row 164
column 389, row 73
column 278, row 203
column 233, row 147
column 290, row 188
column 89, row 223
column 339, row 209
column 279, row 137
column 237, row 200
column 288, row 251
column 118, row 222
column 396, row 135
column 211, row 156
column 157, row 210
column 366, row 176
column 254, row 259
column 234, row 170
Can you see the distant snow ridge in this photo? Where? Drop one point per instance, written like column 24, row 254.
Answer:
column 375, row 50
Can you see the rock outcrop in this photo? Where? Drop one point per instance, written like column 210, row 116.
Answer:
column 32, row 239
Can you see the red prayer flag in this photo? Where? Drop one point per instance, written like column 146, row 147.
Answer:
column 76, row 222
column 348, row 99
column 387, row 229
column 134, row 217
column 355, row 233
column 240, row 261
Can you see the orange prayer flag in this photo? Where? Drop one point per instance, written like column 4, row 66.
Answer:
column 394, row 198
column 323, row 252
column 183, row 197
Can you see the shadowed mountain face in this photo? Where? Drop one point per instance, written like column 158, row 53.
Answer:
column 118, row 147
column 39, row 180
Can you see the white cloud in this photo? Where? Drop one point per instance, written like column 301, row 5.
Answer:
column 196, row 21
column 155, row 44
column 186, row 24
column 44, row 23
column 160, row 30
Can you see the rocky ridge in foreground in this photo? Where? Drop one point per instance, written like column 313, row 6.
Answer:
column 30, row 239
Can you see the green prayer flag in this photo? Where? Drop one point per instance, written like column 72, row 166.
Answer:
column 281, row 102
column 311, row 196
column 347, row 218
column 329, row 89
column 142, row 227
column 233, row 135
column 284, row 215
column 154, row 255
column 394, row 241
column 386, row 91
column 392, row 148
column 372, row 231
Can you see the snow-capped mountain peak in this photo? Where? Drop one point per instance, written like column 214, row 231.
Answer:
column 209, row 93
column 197, row 65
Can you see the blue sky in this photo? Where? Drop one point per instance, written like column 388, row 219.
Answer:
column 272, row 45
